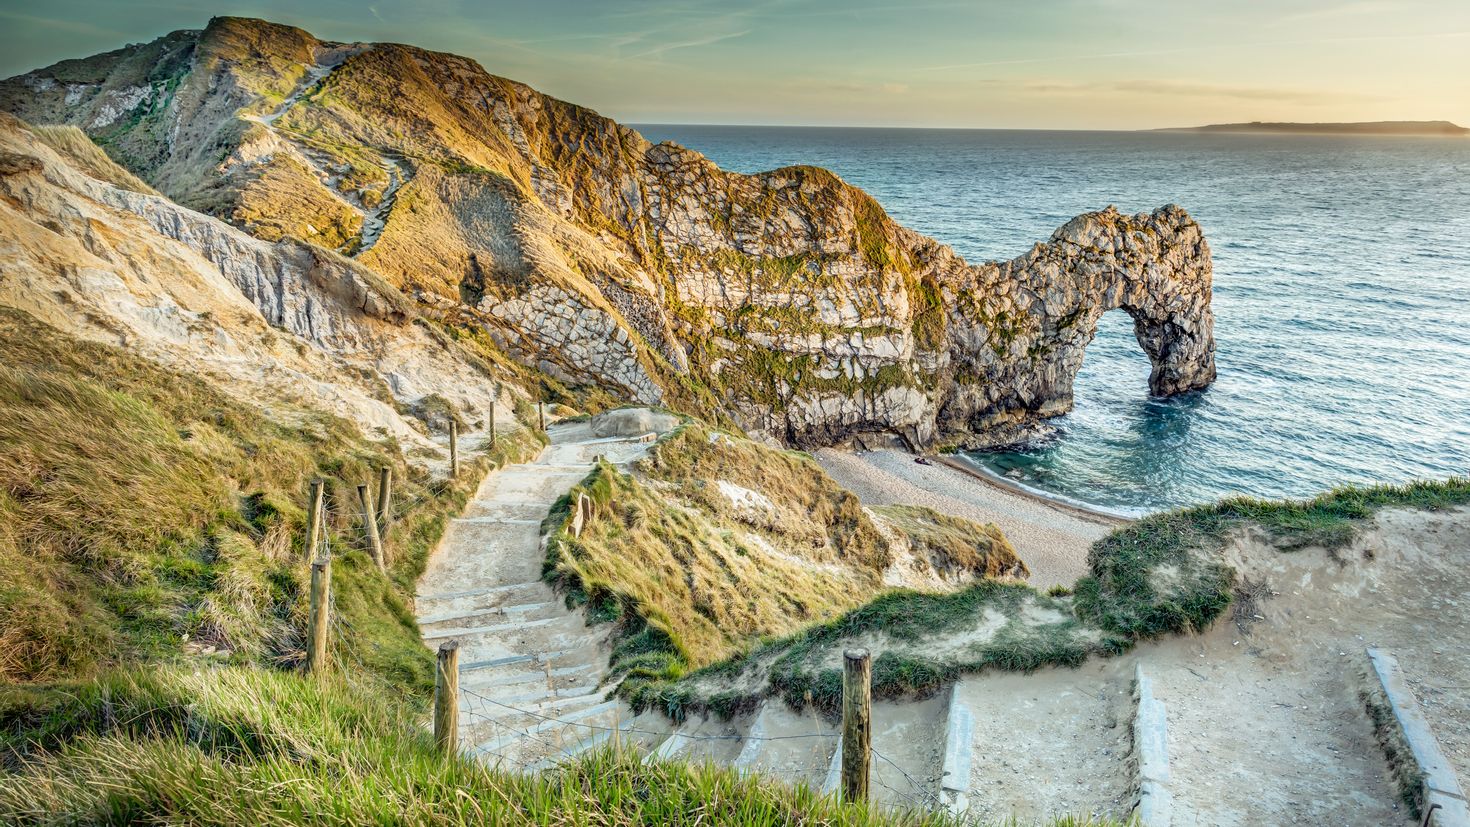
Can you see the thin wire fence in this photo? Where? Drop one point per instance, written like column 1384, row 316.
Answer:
column 479, row 710
column 482, row 710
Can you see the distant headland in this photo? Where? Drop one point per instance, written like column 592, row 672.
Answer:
column 1359, row 128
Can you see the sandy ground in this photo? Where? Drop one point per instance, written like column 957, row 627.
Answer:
column 1265, row 720
column 1052, row 540
column 1052, row 743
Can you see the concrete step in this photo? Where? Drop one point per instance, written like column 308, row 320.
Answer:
column 489, row 614
column 669, row 748
column 786, row 744
column 518, row 509
column 541, row 700
column 959, row 739
column 534, row 662
column 499, row 679
column 491, row 592
column 598, row 738
column 834, row 771
column 1434, row 782
column 496, row 520
column 582, row 641
column 1155, row 804
column 583, row 718
column 509, row 629
column 490, row 629
column 492, row 713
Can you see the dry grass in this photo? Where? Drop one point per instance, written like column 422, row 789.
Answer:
column 140, row 507
column 952, row 546
column 813, row 516
column 718, row 543
column 75, row 146
column 285, row 200
column 707, row 585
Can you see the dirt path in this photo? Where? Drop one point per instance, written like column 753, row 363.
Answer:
column 376, row 219
column 1052, row 541
column 1269, row 729
column 1265, row 720
column 314, row 75
column 1270, row 701
column 531, row 670
column 1050, row 744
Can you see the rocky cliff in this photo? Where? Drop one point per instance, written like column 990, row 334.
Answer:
column 264, row 321
column 787, row 300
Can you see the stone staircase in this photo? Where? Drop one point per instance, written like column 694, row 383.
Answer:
column 1271, row 731
column 531, row 670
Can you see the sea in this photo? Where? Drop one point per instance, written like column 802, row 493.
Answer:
column 1341, row 295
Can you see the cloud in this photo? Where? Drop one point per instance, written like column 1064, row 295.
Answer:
column 1222, row 47
column 820, row 87
column 664, row 48
column 1163, row 88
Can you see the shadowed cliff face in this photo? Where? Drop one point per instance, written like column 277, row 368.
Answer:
column 787, row 300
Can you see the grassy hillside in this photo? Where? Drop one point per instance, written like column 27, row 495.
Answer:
column 141, row 509
column 88, row 157
column 1158, row 576
column 717, row 543
column 246, row 745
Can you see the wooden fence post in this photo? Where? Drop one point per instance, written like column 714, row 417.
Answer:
column 319, row 621
column 453, row 449
column 857, row 728
column 385, row 498
column 491, row 444
column 446, row 698
column 541, row 414
column 370, row 525
column 314, row 519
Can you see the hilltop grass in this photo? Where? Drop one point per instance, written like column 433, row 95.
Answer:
column 950, row 544
column 693, row 581
column 248, row 745
column 1158, row 576
column 805, row 670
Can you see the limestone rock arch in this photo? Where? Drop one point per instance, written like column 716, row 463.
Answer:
column 1019, row 328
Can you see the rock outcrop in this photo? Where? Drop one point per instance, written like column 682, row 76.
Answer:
column 787, row 300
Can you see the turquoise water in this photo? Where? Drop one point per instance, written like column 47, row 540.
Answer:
column 1342, row 294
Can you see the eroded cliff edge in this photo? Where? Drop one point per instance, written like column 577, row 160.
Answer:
column 786, row 300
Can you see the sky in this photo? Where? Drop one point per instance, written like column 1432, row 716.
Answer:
column 1046, row 64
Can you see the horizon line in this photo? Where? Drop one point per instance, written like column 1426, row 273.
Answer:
column 1200, row 127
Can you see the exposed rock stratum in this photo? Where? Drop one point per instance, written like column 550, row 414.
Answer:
column 787, row 301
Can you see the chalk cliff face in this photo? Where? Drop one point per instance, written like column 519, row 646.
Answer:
column 787, row 300
column 265, row 321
